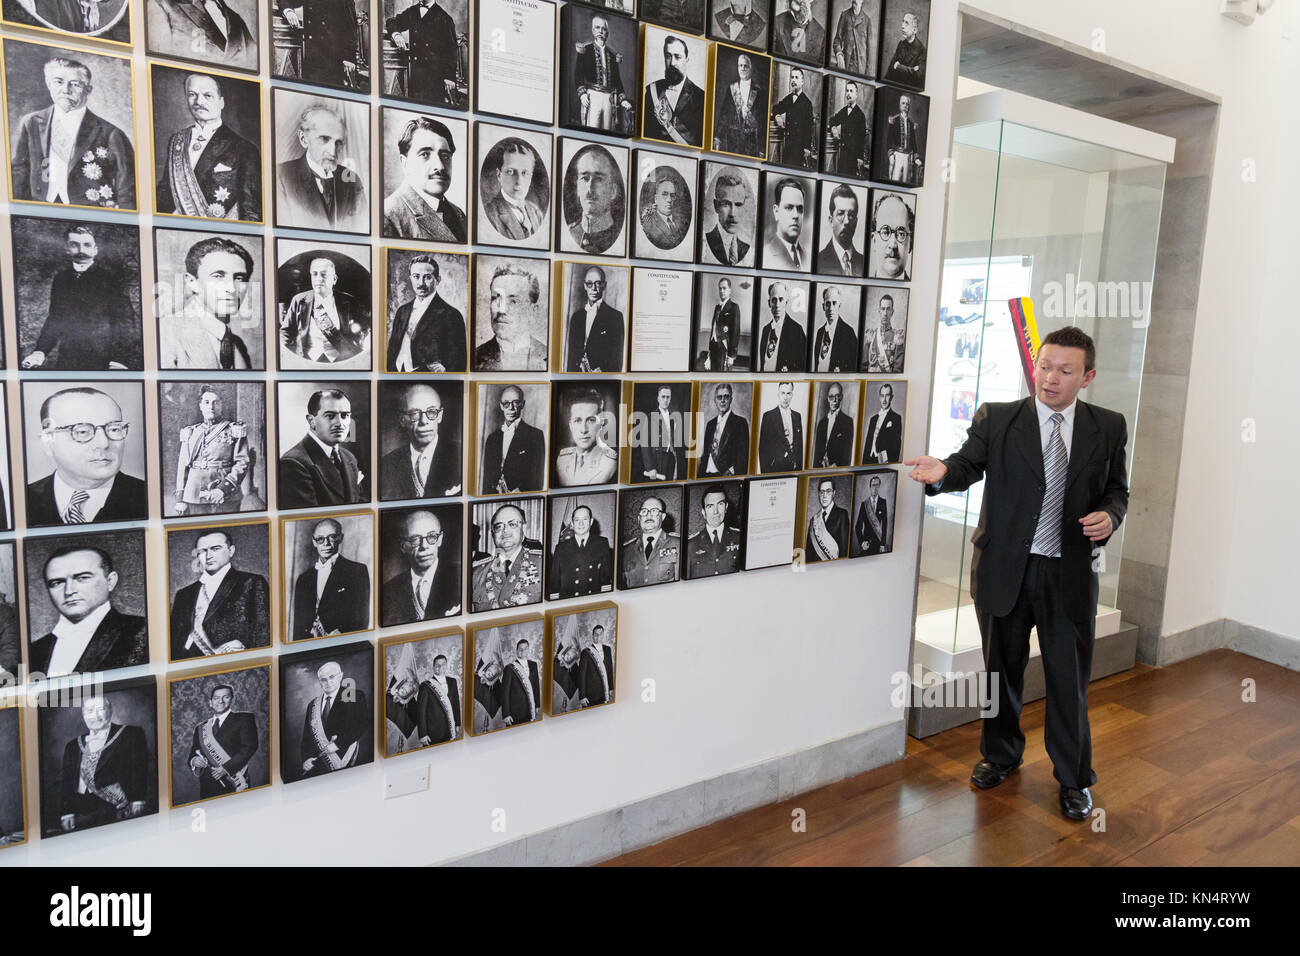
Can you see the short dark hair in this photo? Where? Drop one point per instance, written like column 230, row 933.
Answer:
column 522, row 640
column 313, row 403
column 1073, row 337
column 222, row 687
column 105, row 561
column 587, row 396
column 205, row 247
column 78, row 230
column 787, row 182
column 427, row 259
column 439, row 657
column 843, row 191
column 208, row 532
column 423, row 122
column 713, row 489
column 680, row 42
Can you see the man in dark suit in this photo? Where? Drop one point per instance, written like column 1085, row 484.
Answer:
column 715, row 548
column 662, row 455
column 797, row 34
column 329, row 40
column 659, row 220
column 333, row 595
column 336, row 726
column 673, row 110
column 850, row 125
column 51, row 147
column 188, row 27
column 75, row 16
column 780, row 434
column 514, row 292
column 828, row 527
column 83, row 434
column 594, row 342
column 595, row 669
column 511, row 212
column 724, row 330
column 833, row 436
column 437, row 706
column 419, row 208
column 514, row 456
column 725, row 448
column 428, row 334
column 225, row 610
column 319, row 470
column 723, row 240
column 907, row 66
column 323, row 325
column 427, row 464
column 210, row 170
column 800, row 123
column 222, row 746
column 319, row 189
column 89, row 323
column 113, row 785
column 741, row 117
column 428, row 587
column 872, row 526
column 601, row 102
column 583, row 561
column 839, row 257
column 741, row 21
column 782, row 344
column 10, row 641
column 521, row 688
column 902, row 145
column 90, row 635
column 1055, row 489
column 786, row 247
column 428, row 35
column 835, row 344
column 884, row 442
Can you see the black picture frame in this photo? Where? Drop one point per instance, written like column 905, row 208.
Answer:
column 578, row 67
column 356, row 723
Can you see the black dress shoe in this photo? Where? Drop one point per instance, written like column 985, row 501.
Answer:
column 988, row 774
column 1075, row 804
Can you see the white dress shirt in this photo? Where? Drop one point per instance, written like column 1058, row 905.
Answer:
column 71, row 640
column 323, row 575
column 63, row 136
column 1044, row 434
column 201, row 136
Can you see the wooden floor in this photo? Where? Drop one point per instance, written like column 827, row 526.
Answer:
column 1188, row 773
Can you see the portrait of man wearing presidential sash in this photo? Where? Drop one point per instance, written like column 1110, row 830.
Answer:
column 220, row 734
column 326, row 722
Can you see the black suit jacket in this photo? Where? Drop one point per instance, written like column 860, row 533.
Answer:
column 308, row 479
column 348, row 723
column 431, row 719
column 397, row 482
column 10, row 640
column 524, row 469
column 603, row 347
column 183, row 18
column 717, row 245
column 241, row 177
column 397, row 600
column 791, row 351
column 890, row 440
column 590, row 686
column 431, row 41
column 121, row 640
column 302, row 205
column 125, row 762
column 868, row 541
column 239, row 611
column 836, row 448
column 733, row 447
column 829, row 264
column 344, row 606
column 1004, row 447
column 238, row 738
column 773, row 452
column 116, row 162
column 514, row 699
column 440, row 337
column 91, row 321
column 838, row 526
column 127, row 501
column 688, row 115
column 844, row 349
column 329, row 36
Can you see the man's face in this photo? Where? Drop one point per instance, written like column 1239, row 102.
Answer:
column 776, row 299
column 221, row 284
column 427, row 163
column 97, row 713
column 724, row 290
column 651, row 515
column 796, row 82
column 204, row 99
column 221, row 700
column 78, row 584
column 728, row 201
column 508, row 529
column 214, row 552
column 84, row 464
column 722, row 399
column 892, row 252
column 81, row 248
column 665, row 398
column 885, row 309
column 831, row 304
column 844, row 220
column 834, row 395
column 875, row 487
column 324, row 141
column 1059, row 375
column 886, row 397
column 210, row 406
column 714, row 507
column 584, row 424
column 599, row 30
column 512, row 404
column 323, row 277
column 785, row 393
column 515, row 176
column 69, row 87
column 593, row 181
column 826, row 494
column 510, row 305
column 521, row 651
column 674, row 63
column 330, row 677
column 664, row 196
column 593, row 283
column 420, row 427
column 332, row 421
column 440, row 666
column 422, row 554
column 851, row 94
column 424, row 279
column 326, row 538
column 581, row 521
column 904, row 105
column 788, row 210
column 743, row 67
column 910, row 26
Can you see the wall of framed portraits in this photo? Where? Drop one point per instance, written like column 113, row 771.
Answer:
column 516, row 358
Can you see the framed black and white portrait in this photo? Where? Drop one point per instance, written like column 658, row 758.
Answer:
column 226, row 35
column 893, row 220
column 106, row 20
column 219, row 733
column 593, row 337
column 326, row 710
column 901, row 131
column 663, row 302
column 323, row 42
column 510, row 424
column 69, row 126
column 323, row 306
column 512, row 314
column 836, row 308
column 11, row 636
column 598, row 71
column 729, row 200
column 873, row 522
column 884, row 329
column 504, row 549
column 425, row 51
column 580, row 537
column 426, row 298
column 715, row 535
column 740, row 83
column 218, row 591
column 584, row 432
column 782, row 436
column 722, row 445
column 847, row 132
column 514, row 61
column 328, row 576
column 781, row 327
column 322, row 161
column 6, row 472
column 688, row 15
column 770, row 505
column 514, row 186
column 883, row 417
column 207, row 144
column 424, row 176
column 835, row 423
column 649, row 535
column 799, row 30
column 420, row 551
column 593, row 200
column 903, row 39
column 117, row 722
column 789, row 212
column 825, row 517
column 796, row 110
column 77, row 295
column 13, row 802
column 664, row 206
column 85, row 454
column 87, row 601
column 675, row 78
column 841, row 229
column 658, row 431
column 212, row 438
column 508, row 656
column 323, row 442
column 854, row 32
column 420, row 439
column 723, row 336
column 742, row 22
column 423, row 680
column 209, row 292
column 584, row 643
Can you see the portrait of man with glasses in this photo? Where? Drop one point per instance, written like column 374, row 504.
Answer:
column 893, row 216
column 594, row 335
column 511, row 574
column 331, row 591
column 420, row 549
column 319, row 470
column 420, row 440
column 650, row 549
column 513, row 452
column 79, row 451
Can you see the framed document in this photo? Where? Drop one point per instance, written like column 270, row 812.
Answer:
column 514, row 62
column 769, row 521
column 661, row 317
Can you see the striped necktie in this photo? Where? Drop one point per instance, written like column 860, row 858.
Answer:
column 1047, row 539
column 73, row 514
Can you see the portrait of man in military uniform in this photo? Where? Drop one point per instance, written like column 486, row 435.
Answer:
column 714, row 542
column 593, row 196
column 580, row 559
column 509, row 534
column 214, row 443
column 597, row 70
column 649, row 544
column 584, row 433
